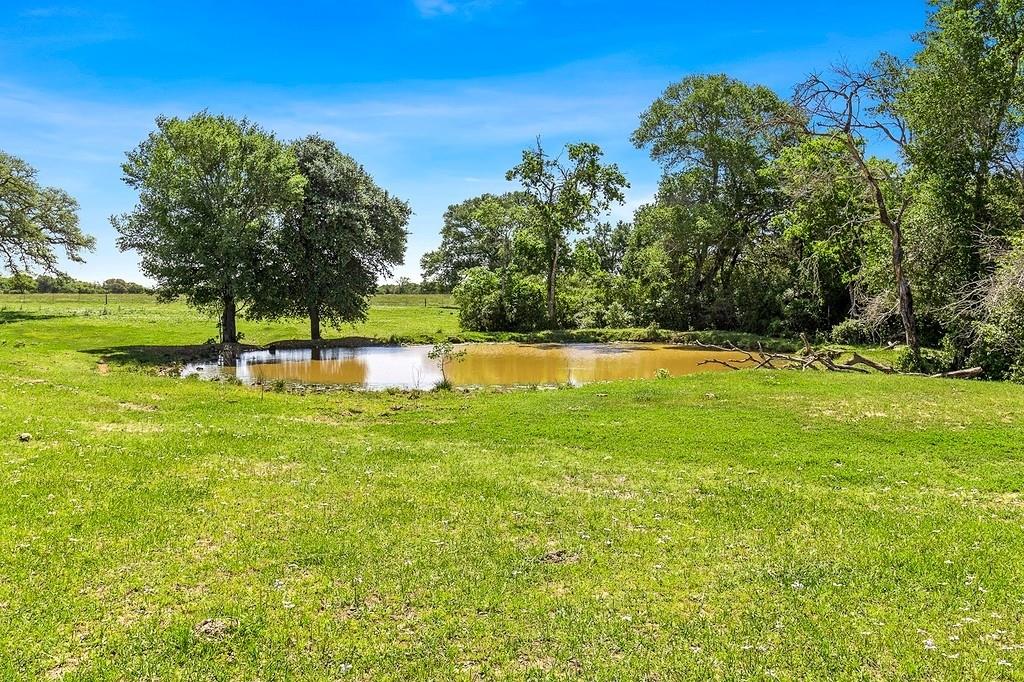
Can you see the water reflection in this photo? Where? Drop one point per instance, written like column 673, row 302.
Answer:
column 499, row 364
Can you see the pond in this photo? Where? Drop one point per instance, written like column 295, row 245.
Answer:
column 484, row 364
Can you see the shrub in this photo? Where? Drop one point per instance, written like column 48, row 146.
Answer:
column 479, row 299
column 579, row 304
column 483, row 308
column 932, row 361
column 525, row 303
column 850, row 332
column 616, row 315
column 996, row 349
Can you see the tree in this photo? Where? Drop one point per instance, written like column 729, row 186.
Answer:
column 36, row 220
column 609, row 244
column 566, row 194
column 963, row 100
column 849, row 106
column 115, row 286
column 444, row 352
column 713, row 136
column 22, row 282
column 510, row 301
column 213, row 191
column 478, row 232
column 333, row 246
column 828, row 227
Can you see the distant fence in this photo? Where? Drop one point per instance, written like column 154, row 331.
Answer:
column 417, row 300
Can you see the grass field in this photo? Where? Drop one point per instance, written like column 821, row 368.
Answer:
column 743, row 525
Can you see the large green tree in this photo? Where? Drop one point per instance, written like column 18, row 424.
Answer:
column 962, row 96
column 567, row 192
column 213, row 191
column 332, row 247
column 713, row 136
column 36, row 221
column 478, row 232
column 828, row 233
column 963, row 99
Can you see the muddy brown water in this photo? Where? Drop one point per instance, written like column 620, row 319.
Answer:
column 484, row 364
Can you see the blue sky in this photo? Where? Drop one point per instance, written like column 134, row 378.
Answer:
column 435, row 97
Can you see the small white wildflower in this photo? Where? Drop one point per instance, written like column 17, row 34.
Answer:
column 929, row 644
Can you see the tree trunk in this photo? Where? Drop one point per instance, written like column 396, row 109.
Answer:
column 228, row 330
column 314, row 323
column 552, row 275
column 896, row 230
column 903, row 290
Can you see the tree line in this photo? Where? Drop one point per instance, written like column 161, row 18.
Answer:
column 876, row 203
column 24, row 283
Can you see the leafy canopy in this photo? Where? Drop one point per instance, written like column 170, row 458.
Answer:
column 36, row 221
column 333, row 246
column 212, row 192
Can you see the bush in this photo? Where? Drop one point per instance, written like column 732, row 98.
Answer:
column 525, row 303
column 1017, row 373
column 616, row 316
column 996, row 349
column 850, row 332
column 932, row 361
column 479, row 299
column 579, row 304
column 482, row 308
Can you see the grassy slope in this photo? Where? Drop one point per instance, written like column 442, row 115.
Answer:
column 728, row 525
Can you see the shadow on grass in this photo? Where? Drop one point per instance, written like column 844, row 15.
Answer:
column 11, row 316
column 155, row 356
column 165, row 356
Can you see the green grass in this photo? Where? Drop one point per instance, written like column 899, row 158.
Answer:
column 733, row 525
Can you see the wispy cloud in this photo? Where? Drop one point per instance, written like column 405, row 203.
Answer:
column 434, row 8
column 53, row 11
column 431, row 142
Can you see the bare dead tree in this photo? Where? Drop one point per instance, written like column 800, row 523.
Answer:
column 851, row 106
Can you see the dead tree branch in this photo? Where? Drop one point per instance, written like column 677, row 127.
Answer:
column 827, row 360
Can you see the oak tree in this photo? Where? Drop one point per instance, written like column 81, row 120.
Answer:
column 37, row 223
column 335, row 244
column 213, row 191
column 567, row 192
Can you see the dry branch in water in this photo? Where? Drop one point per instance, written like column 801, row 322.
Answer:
column 823, row 359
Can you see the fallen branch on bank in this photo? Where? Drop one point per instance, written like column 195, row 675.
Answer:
column 822, row 359
column 859, row 359
column 762, row 359
column 968, row 373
